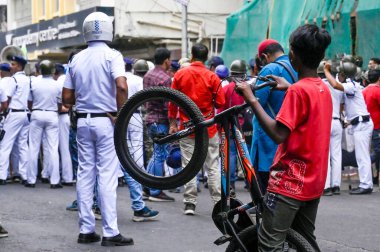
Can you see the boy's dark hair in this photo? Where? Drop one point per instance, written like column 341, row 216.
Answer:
column 309, row 43
column 199, row 52
column 376, row 60
column 273, row 48
column 161, row 55
column 373, row 75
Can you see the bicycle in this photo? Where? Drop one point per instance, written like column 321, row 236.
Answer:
column 229, row 215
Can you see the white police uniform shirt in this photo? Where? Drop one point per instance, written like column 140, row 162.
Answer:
column 19, row 89
column 91, row 75
column 135, row 83
column 354, row 100
column 94, row 97
column 337, row 99
column 4, row 84
column 45, row 93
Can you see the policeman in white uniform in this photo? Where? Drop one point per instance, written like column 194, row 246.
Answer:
column 16, row 124
column 362, row 125
column 43, row 102
column 96, row 83
column 334, row 168
column 64, row 131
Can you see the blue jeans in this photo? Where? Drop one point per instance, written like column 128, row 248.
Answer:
column 73, row 150
column 135, row 191
column 160, row 153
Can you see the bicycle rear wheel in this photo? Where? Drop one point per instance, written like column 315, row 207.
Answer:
column 140, row 123
column 294, row 241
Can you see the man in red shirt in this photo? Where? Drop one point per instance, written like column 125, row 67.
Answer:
column 372, row 98
column 302, row 130
column 204, row 88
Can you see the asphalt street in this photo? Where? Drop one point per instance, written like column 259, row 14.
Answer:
column 37, row 221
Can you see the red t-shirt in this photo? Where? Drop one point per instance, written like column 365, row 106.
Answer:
column 300, row 165
column 372, row 99
column 200, row 85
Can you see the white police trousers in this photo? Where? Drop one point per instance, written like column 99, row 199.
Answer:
column 16, row 127
column 97, row 159
column 64, row 149
column 44, row 128
column 334, row 167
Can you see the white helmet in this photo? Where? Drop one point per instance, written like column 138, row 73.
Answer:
column 98, row 27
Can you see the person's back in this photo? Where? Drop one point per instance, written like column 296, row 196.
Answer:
column 263, row 148
column 300, row 164
column 93, row 65
column 45, row 93
column 204, row 88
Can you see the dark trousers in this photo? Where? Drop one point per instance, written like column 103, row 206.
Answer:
column 281, row 213
column 376, row 147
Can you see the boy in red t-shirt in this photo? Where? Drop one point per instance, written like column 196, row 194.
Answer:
column 302, row 130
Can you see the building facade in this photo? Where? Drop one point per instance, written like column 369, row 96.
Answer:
column 53, row 28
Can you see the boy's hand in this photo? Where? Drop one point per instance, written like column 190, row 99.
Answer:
column 282, row 83
column 327, row 66
column 245, row 90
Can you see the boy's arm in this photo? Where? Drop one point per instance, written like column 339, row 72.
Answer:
column 275, row 130
column 331, row 79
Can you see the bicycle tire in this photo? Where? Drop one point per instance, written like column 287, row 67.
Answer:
column 188, row 107
column 249, row 238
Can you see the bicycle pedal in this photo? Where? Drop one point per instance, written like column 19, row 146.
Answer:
column 223, row 239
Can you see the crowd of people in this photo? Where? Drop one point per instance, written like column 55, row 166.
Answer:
column 68, row 110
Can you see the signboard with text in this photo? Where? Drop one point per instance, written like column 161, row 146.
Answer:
column 55, row 33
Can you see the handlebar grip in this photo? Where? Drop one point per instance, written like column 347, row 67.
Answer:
column 271, row 84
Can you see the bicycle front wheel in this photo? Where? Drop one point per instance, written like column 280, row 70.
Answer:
column 294, row 241
column 142, row 121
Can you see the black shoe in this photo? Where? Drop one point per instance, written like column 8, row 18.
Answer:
column 327, row 192
column 56, row 186
column 189, row 209
column 88, row 238
column 359, row 190
column 3, row 182
column 30, row 185
column 45, row 181
column 24, row 182
column 67, row 183
column 16, row 179
column 336, row 190
column 117, row 240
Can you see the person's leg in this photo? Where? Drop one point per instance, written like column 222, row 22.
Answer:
column 34, row 148
column 107, row 166
column 135, row 191
column 156, row 164
column 74, row 151
column 212, row 163
column 12, row 127
column 336, row 154
column 86, row 177
column 277, row 217
column 233, row 162
column 64, row 150
column 304, row 222
column 51, row 142
column 362, row 138
column 187, row 148
column 23, row 148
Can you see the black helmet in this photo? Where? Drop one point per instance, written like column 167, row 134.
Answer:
column 349, row 69
column 46, row 67
column 238, row 67
column 140, row 66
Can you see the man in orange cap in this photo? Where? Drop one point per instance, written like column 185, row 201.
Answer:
column 275, row 62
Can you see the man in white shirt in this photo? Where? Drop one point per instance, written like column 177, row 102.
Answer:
column 96, row 84
column 44, row 104
column 16, row 124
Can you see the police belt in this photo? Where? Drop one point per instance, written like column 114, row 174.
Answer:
column 336, row 118
column 357, row 120
column 63, row 113
column 137, row 111
column 18, row 110
column 93, row 115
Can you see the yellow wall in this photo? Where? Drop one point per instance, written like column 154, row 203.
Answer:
column 47, row 9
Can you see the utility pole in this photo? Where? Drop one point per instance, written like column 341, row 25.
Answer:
column 184, row 46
